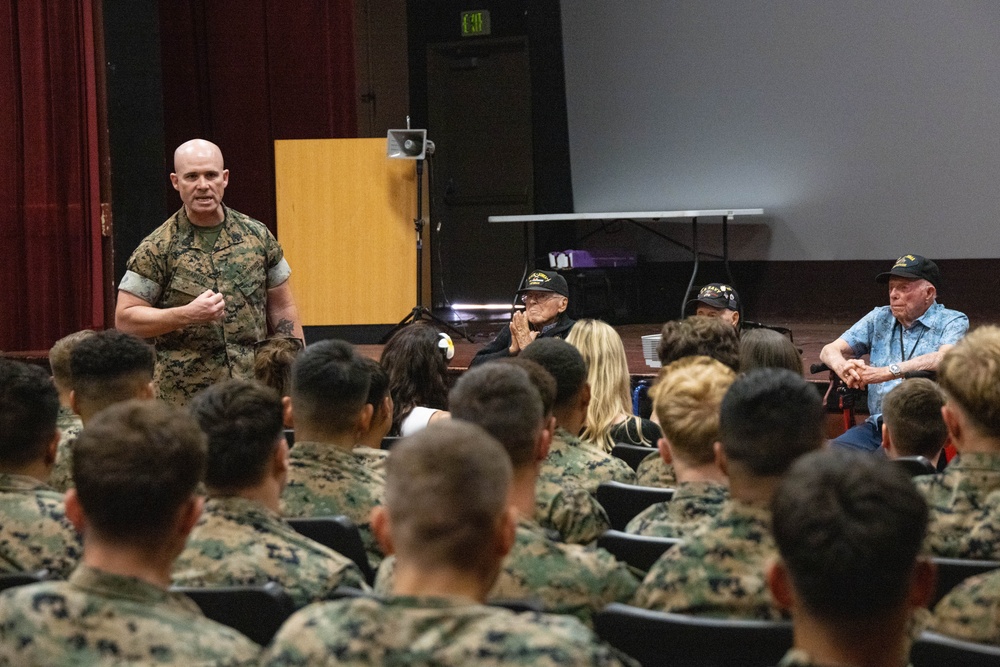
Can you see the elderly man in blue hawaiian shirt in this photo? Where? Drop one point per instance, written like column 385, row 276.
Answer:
column 911, row 334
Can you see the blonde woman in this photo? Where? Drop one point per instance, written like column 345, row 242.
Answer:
column 609, row 416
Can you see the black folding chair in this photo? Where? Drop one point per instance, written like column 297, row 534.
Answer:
column 256, row 611
column 953, row 571
column 915, row 465
column 389, row 441
column 14, row 579
column 340, row 534
column 624, row 501
column 633, row 455
column 639, row 551
column 934, row 650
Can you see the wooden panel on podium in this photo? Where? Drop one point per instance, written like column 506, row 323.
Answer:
column 345, row 221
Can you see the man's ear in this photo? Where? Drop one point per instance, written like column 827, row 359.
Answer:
column 279, row 460
column 190, row 513
column 584, row 396
column 952, row 417
column 720, row 458
column 52, row 449
column 780, row 583
column 382, row 529
column 544, row 440
column 147, row 391
column 175, row 181
column 663, row 444
column 364, row 421
column 74, row 511
column 74, row 403
column 506, row 533
column 734, row 318
column 564, row 302
column 887, row 442
column 286, row 405
column 923, row 583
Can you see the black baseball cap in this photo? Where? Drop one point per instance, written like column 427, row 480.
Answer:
column 545, row 281
column 913, row 267
column 717, row 295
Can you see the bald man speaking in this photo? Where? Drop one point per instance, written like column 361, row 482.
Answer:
column 206, row 285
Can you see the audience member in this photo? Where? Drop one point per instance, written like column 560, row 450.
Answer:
column 912, row 424
column 272, row 362
column 849, row 529
column 68, row 422
column 34, row 532
column 571, row 458
column 328, row 407
column 718, row 300
column 610, row 419
column 766, row 348
column 107, row 367
column 241, row 539
column 706, row 336
column 687, row 403
column 769, row 417
column 448, row 520
column 136, row 466
column 961, row 523
column 416, row 359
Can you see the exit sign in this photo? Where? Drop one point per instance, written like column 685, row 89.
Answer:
column 476, row 23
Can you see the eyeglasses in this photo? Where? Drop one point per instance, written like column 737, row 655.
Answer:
column 537, row 297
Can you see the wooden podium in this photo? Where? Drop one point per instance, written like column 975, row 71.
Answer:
column 345, row 221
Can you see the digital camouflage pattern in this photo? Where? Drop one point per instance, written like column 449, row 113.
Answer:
column 238, row 542
column 961, row 524
column 654, row 471
column 34, row 532
column 169, row 269
column 101, row 618
column 374, row 458
column 582, row 462
column 718, row 570
column 569, row 510
column 693, row 504
column 433, row 631
column 971, row 610
column 69, row 425
column 564, row 578
column 324, row 480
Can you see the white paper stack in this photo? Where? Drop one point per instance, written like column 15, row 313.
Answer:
column 649, row 345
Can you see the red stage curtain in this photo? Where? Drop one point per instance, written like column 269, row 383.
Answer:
column 50, row 245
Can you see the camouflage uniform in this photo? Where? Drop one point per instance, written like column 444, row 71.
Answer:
column 654, row 471
column 324, row 480
column 718, row 570
column 583, row 462
column 693, row 504
column 374, row 458
column 433, row 631
column 238, row 542
column 169, row 269
column 69, row 425
column 569, row 510
column 960, row 520
column 565, row 578
column 34, row 532
column 970, row 611
column 102, row 618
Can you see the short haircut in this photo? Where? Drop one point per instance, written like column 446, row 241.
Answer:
column 29, row 407
column 912, row 413
column 445, row 491
column 969, row 373
column 541, row 378
column 694, row 335
column 109, row 367
column 378, row 385
column 849, row 527
column 770, row 417
column 329, row 386
column 243, row 421
column 687, row 400
column 59, row 355
column 501, row 399
column 564, row 362
column 272, row 363
column 766, row 348
column 134, row 465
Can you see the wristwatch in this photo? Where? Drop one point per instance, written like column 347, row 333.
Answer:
column 894, row 369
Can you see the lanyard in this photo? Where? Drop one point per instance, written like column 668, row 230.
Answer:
column 902, row 350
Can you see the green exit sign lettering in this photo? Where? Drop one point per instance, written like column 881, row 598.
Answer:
column 476, row 23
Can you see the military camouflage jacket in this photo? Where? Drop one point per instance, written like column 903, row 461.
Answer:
column 34, row 532
column 238, row 542
column 442, row 632
column 693, row 504
column 718, row 570
column 374, row 458
column 564, row 578
column 960, row 519
column 170, row 268
column 971, row 610
column 324, row 480
column 69, row 425
column 101, row 618
column 582, row 462
column 569, row 510
column 654, row 471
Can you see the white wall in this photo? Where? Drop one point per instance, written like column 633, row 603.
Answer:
column 865, row 128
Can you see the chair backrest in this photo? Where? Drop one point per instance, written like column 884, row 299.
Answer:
column 388, row 441
column 934, row 650
column 639, row 551
column 340, row 534
column 631, row 454
column 655, row 638
column 519, row 605
column 623, row 501
column 290, row 436
column 953, row 571
column 256, row 611
column 915, row 465
column 12, row 579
